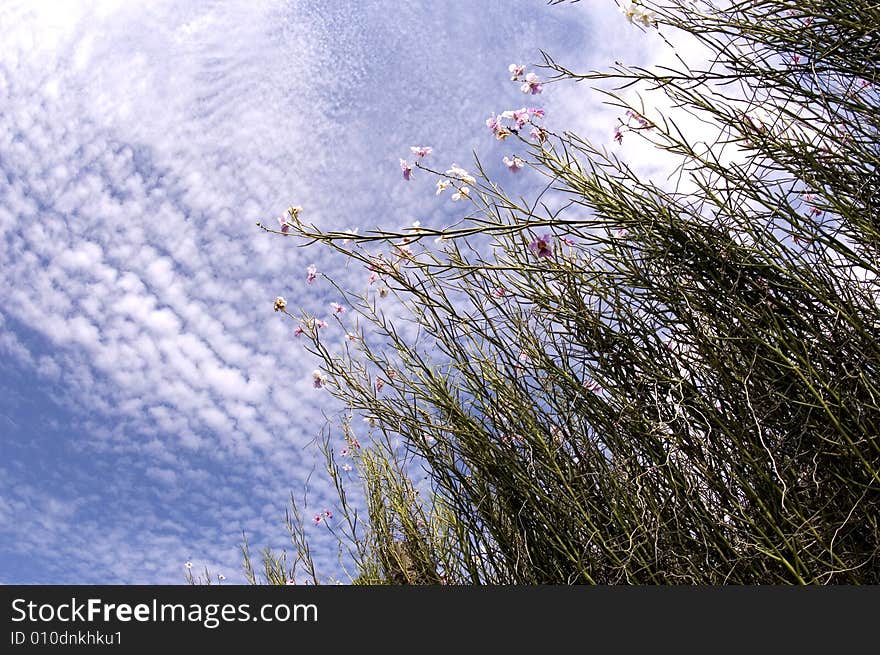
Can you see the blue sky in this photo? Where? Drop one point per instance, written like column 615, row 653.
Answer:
column 152, row 405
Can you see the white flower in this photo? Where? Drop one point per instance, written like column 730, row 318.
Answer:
column 459, row 173
column 188, row 565
column 463, row 192
column 442, row 185
column 636, row 14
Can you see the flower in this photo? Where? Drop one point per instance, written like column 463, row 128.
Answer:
column 317, row 519
column 337, row 308
column 188, row 565
column 317, row 379
column 298, row 330
column 636, row 14
column 514, row 164
column 499, row 292
column 494, row 123
column 379, row 384
column 516, row 71
column 351, row 337
column 592, row 385
column 221, row 577
column 442, row 185
column 320, row 324
column 538, row 134
column 290, row 581
column 346, row 467
column 352, row 232
column 567, row 241
column 541, row 246
column 285, row 226
column 421, row 151
column 280, row 304
column 328, row 514
column 532, row 84
column 312, row 274
column 459, row 173
column 519, row 116
column 383, row 292
column 618, row 134
column 641, row 120
column 536, row 112
column 406, row 167
column 463, row 192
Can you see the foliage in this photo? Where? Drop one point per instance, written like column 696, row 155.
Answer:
column 627, row 381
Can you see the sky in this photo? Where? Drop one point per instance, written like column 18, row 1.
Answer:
column 153, row 407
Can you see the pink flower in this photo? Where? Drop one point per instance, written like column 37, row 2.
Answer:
column 317, row 519
column 328, row 514
column 643, row 122
column 499, row 292
column 618, row 134
column 532, row 84
column 343, row 452
column 285, row 226
column 317, row 379
column 514, row 164
column 592, row 385
column 320, row 324
column 406, row 167
column 494, row 123
column 541, row 246
column 567, row 241
column 519, row 116
column 337, row 308
column 421, row 151
column 536, row 112
column 538, row 134
column 379, row 384
column 372, row 278
column 312, row 274
column 298, row 330
column 351, row 337
column 516, row 71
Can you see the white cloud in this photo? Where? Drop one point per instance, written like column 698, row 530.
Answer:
column 139, row 145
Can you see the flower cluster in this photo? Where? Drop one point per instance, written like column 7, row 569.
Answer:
column 513, row 120
column 419, row 152
column 326, row 514
column 634, row 122
column 529, row 81
column 460, row 179
column 636, row 14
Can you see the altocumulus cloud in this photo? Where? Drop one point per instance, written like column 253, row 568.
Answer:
column 153, row 406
